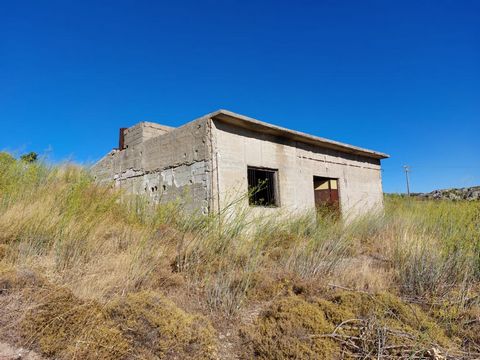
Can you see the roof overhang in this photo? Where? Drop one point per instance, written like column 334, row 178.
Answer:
column 266, row 128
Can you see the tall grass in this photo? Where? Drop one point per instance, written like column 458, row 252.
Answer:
column 100, row 241
column 436, row 244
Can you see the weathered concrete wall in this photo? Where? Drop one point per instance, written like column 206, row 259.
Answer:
column 169, row 167
column 143, row 131
column 204, row 163
column 235, row 148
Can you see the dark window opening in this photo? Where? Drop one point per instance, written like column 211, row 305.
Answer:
column 326, row 194
column 262, row 187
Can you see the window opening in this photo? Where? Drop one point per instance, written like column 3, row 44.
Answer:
column 262, row 186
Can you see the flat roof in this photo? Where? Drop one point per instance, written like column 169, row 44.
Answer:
column 260, row 126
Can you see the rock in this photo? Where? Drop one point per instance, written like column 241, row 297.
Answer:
column 434, row 354
column 469, row 194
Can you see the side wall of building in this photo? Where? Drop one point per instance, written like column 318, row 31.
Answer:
column 169, row 167
column 235, row 148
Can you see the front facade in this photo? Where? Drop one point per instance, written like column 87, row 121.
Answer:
column 225, row 157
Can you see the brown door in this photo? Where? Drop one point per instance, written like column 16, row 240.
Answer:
column 326, row 193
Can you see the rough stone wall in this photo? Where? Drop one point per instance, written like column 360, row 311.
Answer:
column 169, row 167
column 360, row 185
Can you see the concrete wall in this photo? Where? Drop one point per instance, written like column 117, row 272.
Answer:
column 143, row 131
column 172, row 166
column 236, row 148
column 204, row 163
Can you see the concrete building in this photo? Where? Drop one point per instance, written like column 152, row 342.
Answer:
column 219, row 157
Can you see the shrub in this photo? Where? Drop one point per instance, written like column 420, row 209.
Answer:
column 157, row 328
column 291, row 328
column 64, row 326
column 30, row 157
column 350, row 323
column 140, row 325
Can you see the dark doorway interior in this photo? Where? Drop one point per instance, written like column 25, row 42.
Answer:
column 326, row 194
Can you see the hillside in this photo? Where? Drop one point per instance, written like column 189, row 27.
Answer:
column 88, row 272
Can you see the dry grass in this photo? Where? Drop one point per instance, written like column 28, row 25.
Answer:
column 348, row 324
column 112, row 261
column 140, row 325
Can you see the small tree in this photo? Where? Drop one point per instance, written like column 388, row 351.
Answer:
column 31, row 157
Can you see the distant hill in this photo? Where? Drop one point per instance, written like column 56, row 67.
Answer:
column 468, row 193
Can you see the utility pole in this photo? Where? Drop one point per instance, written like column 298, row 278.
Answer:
column 406, row 168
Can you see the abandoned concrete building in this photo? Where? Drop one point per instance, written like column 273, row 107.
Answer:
column 222, row 156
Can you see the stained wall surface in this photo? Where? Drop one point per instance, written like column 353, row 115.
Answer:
column 235, row 148
column 174, row 166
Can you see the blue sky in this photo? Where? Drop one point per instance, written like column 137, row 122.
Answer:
column 402, row 77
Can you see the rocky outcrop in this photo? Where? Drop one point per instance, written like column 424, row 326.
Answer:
column 469, row 193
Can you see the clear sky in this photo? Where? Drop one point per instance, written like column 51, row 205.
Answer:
column 402, row 77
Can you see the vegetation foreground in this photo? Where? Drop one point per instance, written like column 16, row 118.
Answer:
column 87, row 272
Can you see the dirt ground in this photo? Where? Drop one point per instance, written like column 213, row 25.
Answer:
column 8, row 352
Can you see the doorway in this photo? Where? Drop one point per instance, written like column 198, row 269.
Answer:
column 326, row 194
